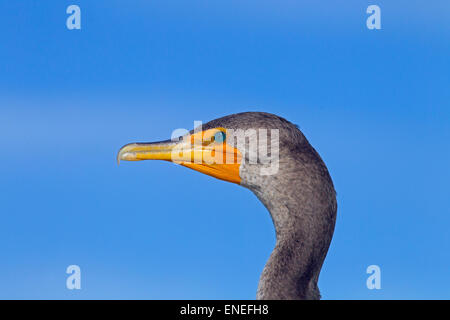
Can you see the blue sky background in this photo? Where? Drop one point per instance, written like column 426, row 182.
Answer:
column 375, row 104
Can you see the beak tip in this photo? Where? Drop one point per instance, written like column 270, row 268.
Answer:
column 119, row 156
column 125, row 154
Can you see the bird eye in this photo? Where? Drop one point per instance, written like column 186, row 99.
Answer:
column 220, row 136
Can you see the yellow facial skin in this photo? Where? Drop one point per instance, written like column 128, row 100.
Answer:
column 203, row 151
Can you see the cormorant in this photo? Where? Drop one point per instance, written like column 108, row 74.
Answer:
column 270, row 156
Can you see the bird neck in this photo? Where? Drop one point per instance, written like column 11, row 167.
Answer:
column 304, row 217
column 292, row 270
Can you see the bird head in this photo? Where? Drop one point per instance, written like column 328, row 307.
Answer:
column 270, row 156
column 226, row 148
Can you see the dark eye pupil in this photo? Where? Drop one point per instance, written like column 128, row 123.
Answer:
column 219, row 137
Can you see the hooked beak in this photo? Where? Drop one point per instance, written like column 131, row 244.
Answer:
column 198, row 151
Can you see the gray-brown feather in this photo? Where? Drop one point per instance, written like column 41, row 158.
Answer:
column 302, row 202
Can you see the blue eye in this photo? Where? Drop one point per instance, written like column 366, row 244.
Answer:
column 220, row 136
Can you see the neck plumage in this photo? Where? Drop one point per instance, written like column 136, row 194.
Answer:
column 292, row 271
column 304, row 216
